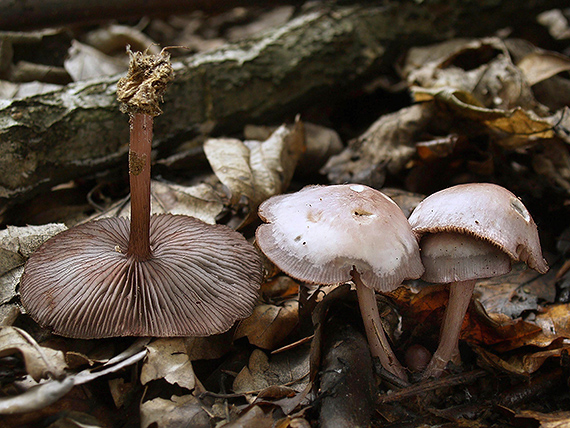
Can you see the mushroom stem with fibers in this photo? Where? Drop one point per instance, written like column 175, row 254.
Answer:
column 377, row 340
column 139, row 174
column 460, row 293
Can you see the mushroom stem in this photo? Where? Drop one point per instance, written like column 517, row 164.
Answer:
column 377, row 340
column 460, row 293
column 139, row 173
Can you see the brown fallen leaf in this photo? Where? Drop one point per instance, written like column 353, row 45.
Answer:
column 255, row 416
column 386, row 146
column 178, row 411
column 269, row 324
column 253, row 170
column 558, row 419
column 321, row 143
column 513, row 128
column 41, row 362
column 521, row 363
column 167, row 360
column 199, row 201
column 482, row 68
column 541, row 65
column 289, row 368
column 515, row 292
column 422, row 313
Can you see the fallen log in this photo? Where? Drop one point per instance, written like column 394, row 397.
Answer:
column 78, row 130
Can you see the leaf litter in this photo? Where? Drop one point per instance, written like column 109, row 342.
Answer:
column 488, row 109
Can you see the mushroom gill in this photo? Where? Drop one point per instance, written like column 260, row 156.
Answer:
column 198, row 280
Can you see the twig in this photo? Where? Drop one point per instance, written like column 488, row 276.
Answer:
column 424, row 387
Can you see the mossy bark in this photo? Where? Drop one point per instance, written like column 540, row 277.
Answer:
column 48, row 139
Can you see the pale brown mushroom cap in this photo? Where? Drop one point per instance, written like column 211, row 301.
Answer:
column 321, row 232
column 484, row 211
column 200, row 279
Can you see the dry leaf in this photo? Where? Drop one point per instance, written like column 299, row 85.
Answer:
column 252, row 170
column 40, row 361
column 289, row 368
column 176, row 412
column 520, row 364
column 513, row 128
column 516, row 291
column 556, row 23
column 9, row 282
column 555, row 324
column 25, row 240
column 481, row 68
column 541, row 65
column 210, row 347
column 269, row 325
column 558, row 419
column 120, row 390
column 256, row 417
column 321, row 143
column 114, row 38
column 167, row 360
column 86, row 63
column 387, row 145
column 199, row 201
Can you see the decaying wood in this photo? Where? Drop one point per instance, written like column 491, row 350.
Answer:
column 41, row 13
column 50, row 138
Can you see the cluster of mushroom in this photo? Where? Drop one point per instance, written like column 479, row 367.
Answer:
column 333, row 234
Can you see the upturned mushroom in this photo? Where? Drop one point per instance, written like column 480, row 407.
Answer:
column 334, row 234
column 468, row 232
column 162, row 275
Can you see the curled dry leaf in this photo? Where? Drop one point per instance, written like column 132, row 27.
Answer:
column 167, row 359
column 270, row 324
column 480, row 67
column 253, row 170
column 40, row 361
column 255, row 416
column 556, row 419
column 541, row 65
column 85, row 63
column 512, row 128
column 519, row 363
column 386, row 146
column 113, row 38
column 176, row 412
column 479, row 81
column 321, row 143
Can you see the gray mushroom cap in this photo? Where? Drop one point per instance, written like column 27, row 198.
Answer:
column 321, row 232
column 200, row 279
column 485, row 212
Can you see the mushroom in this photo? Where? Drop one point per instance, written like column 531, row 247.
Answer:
column 161, row 275
column 468, row 232
column 334, row 234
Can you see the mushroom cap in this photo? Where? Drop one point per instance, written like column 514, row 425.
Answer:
column 487, row 212
column 200, row 279
column 321, row 232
